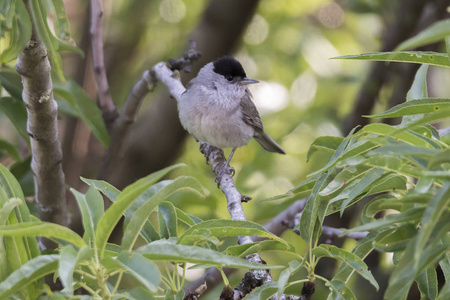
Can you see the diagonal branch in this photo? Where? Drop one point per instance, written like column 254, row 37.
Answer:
column 104, row 95
column 133, row 102
column 254, row 278
column 42, row 126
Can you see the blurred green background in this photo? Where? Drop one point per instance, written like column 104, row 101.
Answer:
column 285, row 44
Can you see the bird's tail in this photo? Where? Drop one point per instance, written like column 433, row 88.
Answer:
column 268, row 143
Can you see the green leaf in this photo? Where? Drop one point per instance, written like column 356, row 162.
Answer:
column 112, row 216
column 433, row 33
column 418, row 57
column 405, row 150
column 44, row 229
column 419, row 88
column 19, row 250
column 12, row 82
column 39, row 19
column 427, row 283
column 431, row 217
column 20, row 33
column 107, row 189
column 224, row 228
column 387, row 130
column 22, row 172
column 16, row 112
column 139, row 293
column 166, row 250
column 339, row 290
column 60, row 22
column 440, row 115
column 264, row 291
column 6, row 209
column 28, row 273
column 362, row 185
column 324, row 143
column 142, row 269
column 85, row 108
column 395, row 239
column 347, row 175
column 257, row 247
column 10, row 149
column 362, row 249
column 412, row 214
column 186, row 218
column 311, row 219
column 348, row 258
column 294, row 266
column 407, row 269
column 167, row 218
column 69, row 259
column 304, row 189
column 413, row 107
column 91, row 208
column 140, row 216
column 445, row 292
column 336, row 155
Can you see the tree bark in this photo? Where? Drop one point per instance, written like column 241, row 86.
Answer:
column 34, row 67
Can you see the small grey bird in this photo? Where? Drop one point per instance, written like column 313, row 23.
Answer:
column 217, row 108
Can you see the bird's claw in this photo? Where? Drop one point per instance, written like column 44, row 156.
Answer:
column 222, row 171
column 206, row 150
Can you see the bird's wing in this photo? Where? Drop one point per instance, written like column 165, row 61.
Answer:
column 250, row 113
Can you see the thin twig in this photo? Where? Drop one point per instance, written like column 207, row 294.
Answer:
column 104, row 95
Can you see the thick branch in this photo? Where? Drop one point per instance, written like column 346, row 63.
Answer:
column 42, row 126
column 104, row 96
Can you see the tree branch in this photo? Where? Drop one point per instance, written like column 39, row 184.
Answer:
column 277, row 226
column 254, row 278
column 34, row 67
column 104, row 96
column 134, row 100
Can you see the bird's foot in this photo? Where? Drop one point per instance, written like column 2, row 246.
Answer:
column 206, row 149
column 222, row 171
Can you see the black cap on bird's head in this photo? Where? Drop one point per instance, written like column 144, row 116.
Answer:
column 231, row 69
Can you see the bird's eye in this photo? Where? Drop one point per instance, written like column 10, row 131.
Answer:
column 229, row 77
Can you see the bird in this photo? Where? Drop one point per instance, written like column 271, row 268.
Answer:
column 217, row 108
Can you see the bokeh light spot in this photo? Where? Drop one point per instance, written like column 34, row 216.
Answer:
column 172, row 11
column 331, row 15
column 257, row 30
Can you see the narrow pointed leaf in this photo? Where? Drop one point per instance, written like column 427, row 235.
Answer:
column 140, row 216
column 166, row 250
column 44, row 229
column 107, row 189
column 112, row 216
column 85, row 108
column 413, row 107
column 29, row 272
column 433, row 33
column 142, row 269
column 224, row 228
column 418, row 57
column 348, row 258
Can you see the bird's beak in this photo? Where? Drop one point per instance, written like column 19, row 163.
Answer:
column 246, row 81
